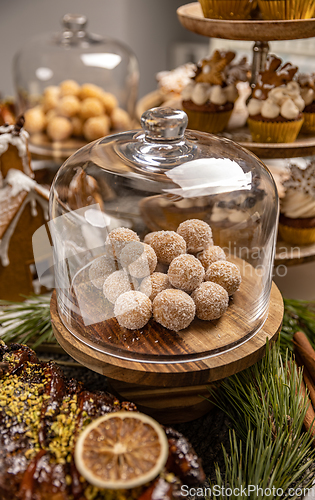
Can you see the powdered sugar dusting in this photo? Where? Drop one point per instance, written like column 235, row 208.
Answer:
column 211, row 301
column 167, row 245
column 133, row 310
column 174, row 309
column 116, row 284
column 197, row 234
column 186, row 272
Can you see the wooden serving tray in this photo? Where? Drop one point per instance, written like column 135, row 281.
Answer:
column 192, row 18
column 148, row 380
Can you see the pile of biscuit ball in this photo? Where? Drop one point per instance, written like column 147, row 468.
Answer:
column 172, row 276
column 72, row 110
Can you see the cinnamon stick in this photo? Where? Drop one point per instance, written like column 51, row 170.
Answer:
column 306, row 352
column 307, row 379
column 309, row 419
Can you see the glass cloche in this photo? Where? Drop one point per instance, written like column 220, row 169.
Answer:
column 74, row 87
column 166, row 189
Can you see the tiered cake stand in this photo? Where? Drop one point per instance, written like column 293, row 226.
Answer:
column 260, row 32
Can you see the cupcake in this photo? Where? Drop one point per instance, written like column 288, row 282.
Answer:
column 275, row 109
column 227, row 9
column 297, row 209
column 209, row 97
column 307, row 84
column 287, row 9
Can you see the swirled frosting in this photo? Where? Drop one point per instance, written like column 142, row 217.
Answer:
column 285, row 101
column 299, row 199
column 200, row 93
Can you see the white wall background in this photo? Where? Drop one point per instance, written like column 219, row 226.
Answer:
column 149, row 27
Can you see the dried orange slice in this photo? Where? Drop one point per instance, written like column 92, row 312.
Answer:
column 121, row 450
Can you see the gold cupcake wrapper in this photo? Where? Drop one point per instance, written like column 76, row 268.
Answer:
column 227, row 9
column 268, row 132
column 308, row 126
column 287, row 9
column 296, row 235
column 212, row 123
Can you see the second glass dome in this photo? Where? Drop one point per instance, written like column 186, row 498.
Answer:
column 150, row 181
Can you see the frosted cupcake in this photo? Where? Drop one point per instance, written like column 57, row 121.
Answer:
column 297, row 212
column 209, row 98
column 307, row 84
column 275, row 109
column 287, row 9
column 227, row 9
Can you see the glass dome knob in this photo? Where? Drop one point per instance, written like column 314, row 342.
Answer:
column 164, row 123
column 74, row 22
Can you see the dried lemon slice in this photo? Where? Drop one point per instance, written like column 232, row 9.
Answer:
column 121, row 450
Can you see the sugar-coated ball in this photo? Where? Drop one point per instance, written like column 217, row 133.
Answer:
column 186, row 272
column 196, row 233
column 174, row 309
column 133, row 310
column 117, row 283
column 100, row 269
column 167, row 245
column 226, row 274
column 211, row 255
column 77, row 126
column 50, row 98
column 59, row 128
column 211, row 301
column 139, row 259
column 118, row 238
column 154, row 284
column 148, row 237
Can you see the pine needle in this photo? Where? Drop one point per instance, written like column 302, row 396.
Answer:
column 26, row 322
column 268, row 447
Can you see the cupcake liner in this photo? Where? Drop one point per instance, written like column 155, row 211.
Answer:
column 227, row 9
column 297, row 236
column 308, row 126
column 274, row 131
column 207, row 122
column 287, row 9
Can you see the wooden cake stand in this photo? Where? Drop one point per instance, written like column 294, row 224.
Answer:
column 174, row 388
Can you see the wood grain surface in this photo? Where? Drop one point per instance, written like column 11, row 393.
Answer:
column 191, row 17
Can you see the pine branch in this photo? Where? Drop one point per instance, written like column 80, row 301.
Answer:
column 267, row 411
column 298, row 316
column 26, row 322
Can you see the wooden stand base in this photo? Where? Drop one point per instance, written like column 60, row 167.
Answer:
column 171, row 392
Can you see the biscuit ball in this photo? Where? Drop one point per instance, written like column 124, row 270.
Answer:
column 133, row 310
column 211, row 301
column 77, row 126
column 59, row 128
column 96, row 127
column 154, row 284
column 115, row 284
column 167, row 245
column 109, row 101
column 68, row 106
column 50, row 98
column 118, row 238
column 211, row 255
column 196, row 233
column 35, row 120
column 120, row 119
column 138, row 259
column 186, row 272
column 69, row 87
column 100, row 269
column 226, row 274
column 90, row 90
column 173, row 309
column 91, row 106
